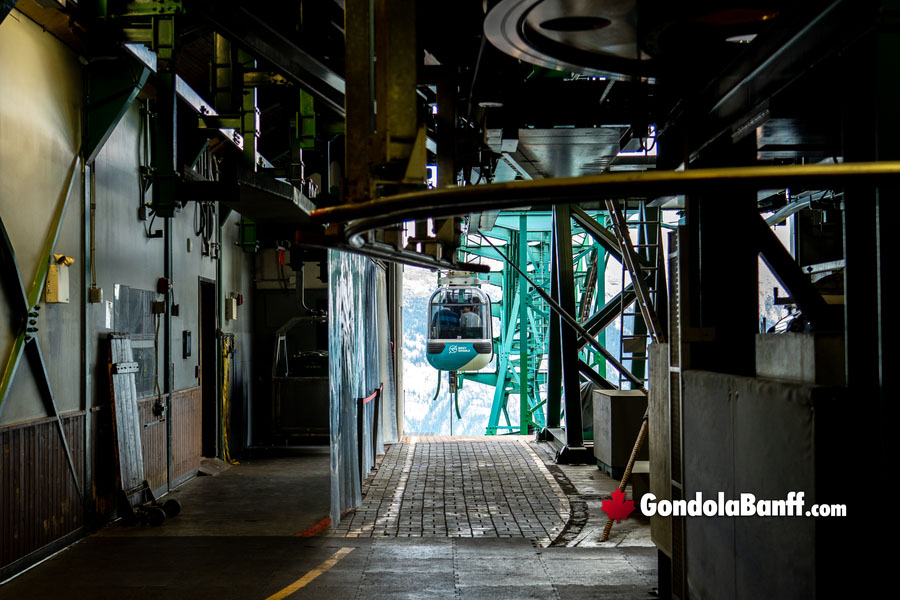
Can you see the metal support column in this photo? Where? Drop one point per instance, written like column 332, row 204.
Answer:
column 165, row 165
column 87, row 330
column 574, row 450
column 869, row 130
column 724, row 242
column 249, row 112
column 554, row 369
column 446, row 130
column 524, row 413
column 359, row 25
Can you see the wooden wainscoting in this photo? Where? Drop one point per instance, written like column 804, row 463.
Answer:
column 39, row 502
column 186, row 434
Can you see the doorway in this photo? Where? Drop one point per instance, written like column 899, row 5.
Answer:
column 208, row 357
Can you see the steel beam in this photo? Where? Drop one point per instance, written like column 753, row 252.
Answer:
column 360, row 98
column 499, row 406
column 724, row 238
column 396, row 120
column 110, row 88
column 165, row 125
column 524, row 415
column 26, row 305
column 606, row 315
column 571, row 322
column 554, row 360
column 869, row 124
column 562, row 251
column 792, row 277
column 13, row 280
column 240, row 25
column 603, row 236
column 598, row 379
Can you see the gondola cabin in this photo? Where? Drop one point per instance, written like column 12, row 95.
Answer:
column 459, row 331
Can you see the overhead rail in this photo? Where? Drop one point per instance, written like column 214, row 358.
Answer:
column 446, row 202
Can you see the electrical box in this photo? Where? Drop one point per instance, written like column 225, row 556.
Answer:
column 231, row 305
column 617, row 421
column 58, row 283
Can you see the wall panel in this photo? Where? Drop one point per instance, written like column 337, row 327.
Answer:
column 38, row 498
column 40, row 133
column 186, row 434
column 153, row 444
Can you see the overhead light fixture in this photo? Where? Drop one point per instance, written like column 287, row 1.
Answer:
column 741, row 39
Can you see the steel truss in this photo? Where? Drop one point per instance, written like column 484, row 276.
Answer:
column 539, row 355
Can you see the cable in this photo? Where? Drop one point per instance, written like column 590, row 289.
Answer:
column 438, row 390
column 227, row 350
column 152, row 218
column 198, row 219
column 93, row 220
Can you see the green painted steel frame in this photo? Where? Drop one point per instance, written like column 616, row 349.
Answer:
column 25, row 304
column 525, row 348
column 529, row 349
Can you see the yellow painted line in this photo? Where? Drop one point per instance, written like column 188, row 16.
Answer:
column 303, row 581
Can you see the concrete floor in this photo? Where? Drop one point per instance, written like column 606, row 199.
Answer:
column 279, row 495
column 238, row 537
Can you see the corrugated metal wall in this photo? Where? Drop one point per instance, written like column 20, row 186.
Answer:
column 39, row 502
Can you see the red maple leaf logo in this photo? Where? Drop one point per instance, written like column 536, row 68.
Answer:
column 618, row 508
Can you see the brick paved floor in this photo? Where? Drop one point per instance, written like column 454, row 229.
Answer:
column 460, row 487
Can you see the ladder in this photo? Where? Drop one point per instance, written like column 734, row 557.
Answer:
column 589, row 287
column 641, row 266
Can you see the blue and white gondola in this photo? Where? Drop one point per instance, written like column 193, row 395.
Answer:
column 459, row 331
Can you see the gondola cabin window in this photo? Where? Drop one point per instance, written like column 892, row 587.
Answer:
column 460, row 313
